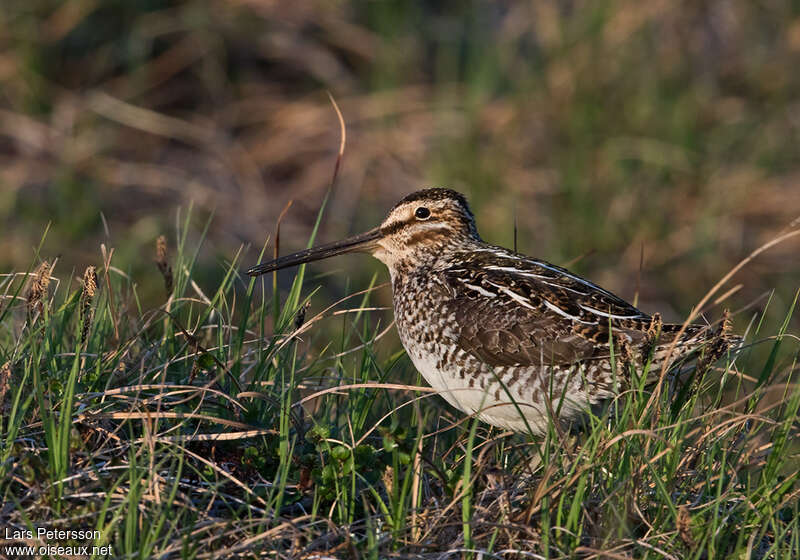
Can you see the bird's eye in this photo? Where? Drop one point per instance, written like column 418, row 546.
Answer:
column 422, row 213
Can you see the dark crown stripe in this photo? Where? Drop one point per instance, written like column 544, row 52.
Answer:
column 436, row 194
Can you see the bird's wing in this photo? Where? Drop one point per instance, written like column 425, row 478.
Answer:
column 519, row 311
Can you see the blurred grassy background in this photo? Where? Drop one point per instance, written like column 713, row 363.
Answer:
column 606, row 128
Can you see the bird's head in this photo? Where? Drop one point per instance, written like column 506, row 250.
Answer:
column 417, row 230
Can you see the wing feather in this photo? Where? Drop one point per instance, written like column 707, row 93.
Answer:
column 513, row 311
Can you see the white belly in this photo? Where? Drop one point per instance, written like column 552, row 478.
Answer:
column 504, row 412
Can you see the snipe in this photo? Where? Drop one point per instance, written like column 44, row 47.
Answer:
column 504, row 335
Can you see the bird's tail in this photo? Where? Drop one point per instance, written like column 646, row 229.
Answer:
column 676, row 342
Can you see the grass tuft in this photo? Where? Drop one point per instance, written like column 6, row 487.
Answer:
column 203, row 426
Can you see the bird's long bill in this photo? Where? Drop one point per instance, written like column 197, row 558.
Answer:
column 361, row 242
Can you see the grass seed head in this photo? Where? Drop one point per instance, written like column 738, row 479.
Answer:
column 722, row 340
column 684, row 526
column 87, row 297
column 37, row 293
column 726, row 323
column 163, row 265
column 5, row 382
column 654, row 330
column 300, row 317
column 388, row 479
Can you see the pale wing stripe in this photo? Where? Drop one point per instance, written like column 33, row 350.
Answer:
column 480, row 290
column 516, row 297
column 526, row 303
column 518, row 271
column 562, row 287
column 546, row 266
column 560, row 311
column 541, row 278
column 576, row 278
column 609, row 315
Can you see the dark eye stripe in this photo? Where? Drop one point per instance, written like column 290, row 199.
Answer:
column 395, row 227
